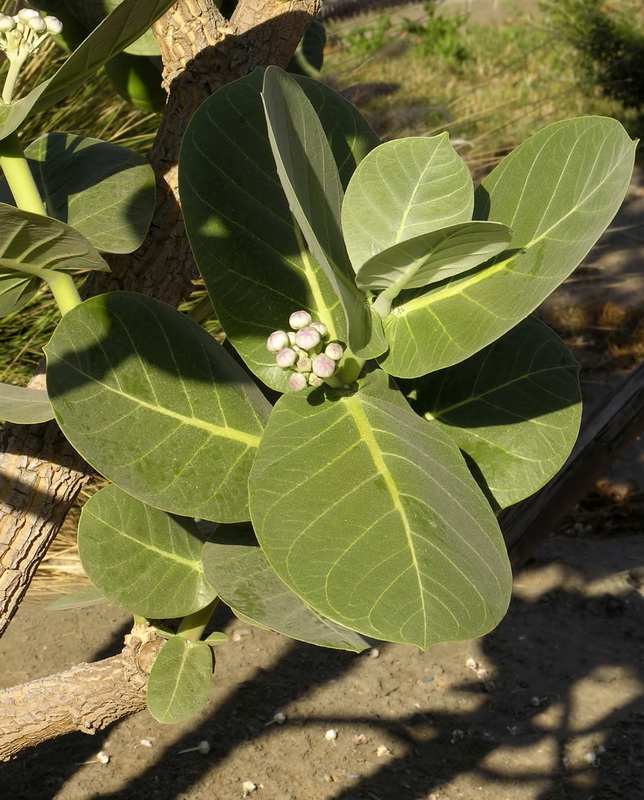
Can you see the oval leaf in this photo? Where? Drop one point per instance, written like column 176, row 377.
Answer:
column 180, row 680
column 24, row 406
column 247, row 245
column 311, row 183
column 514, row 408
column 401, row 190
column 408, row 549
column 142, row 559
column 236, row 567
column 156, row 405
column 558, row 191
column 103, row 191
column 433, row 257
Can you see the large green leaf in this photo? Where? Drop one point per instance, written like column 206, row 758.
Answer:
column 372, row 517
column 558, row 191
column 24, row 406
column 180, row 680
column 123, row 26
column 247, row 245
column 236, row 567
column 514, row 408
column 30, row 243
column 103, row 191
column 142, row 559
column 156, row 405
column 433, row 257
column 401, row 190
column 311, row 183
column 92, row 12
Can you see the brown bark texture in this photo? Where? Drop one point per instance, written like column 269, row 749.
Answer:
column 40, row 474
column 86, row 698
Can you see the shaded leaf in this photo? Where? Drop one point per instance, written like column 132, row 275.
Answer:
column 514, row 408
column 156, row 405
column 140, row 558
column 24, row 406
column 246, row 243
column 402, row 189
column 236, row 567
column 180, row 680
column 103, row 191
column 83, row 598
column 408, row 549
column 558, row 191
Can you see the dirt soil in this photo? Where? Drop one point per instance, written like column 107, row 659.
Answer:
column 549, row 706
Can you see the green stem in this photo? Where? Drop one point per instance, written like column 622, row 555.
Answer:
column 21, row 182
column 193, row 626
column 15, row 65
column 349, row 368
column 64, row 290
column 382, row 303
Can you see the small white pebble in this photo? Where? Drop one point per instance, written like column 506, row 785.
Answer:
column 471, row 663
column 103, row 757
column 383, row 750
column 248, row 787
column 331, row 735
column 146, row 742
column 374, row 652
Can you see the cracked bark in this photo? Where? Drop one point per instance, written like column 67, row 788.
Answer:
column 40, row 473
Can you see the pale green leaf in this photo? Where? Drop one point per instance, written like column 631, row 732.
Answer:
column 140, row 558
column 238, row 570
column 180, row 680
column 402, row 189
column 103, row 191
column 514, row 408
column 216, row 638
column 558, row 191
column 156, row 405
column 16, row 291
column 372, row 517
column 311, row 183
column 433, row 257
column 246, row 243
column 24, row 406
column 83, row 598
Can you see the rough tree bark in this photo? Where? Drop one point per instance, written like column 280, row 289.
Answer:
column 40, row 473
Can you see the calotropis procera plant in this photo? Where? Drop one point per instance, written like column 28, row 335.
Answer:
column 388, row 303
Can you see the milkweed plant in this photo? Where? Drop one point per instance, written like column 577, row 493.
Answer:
column 338, row 480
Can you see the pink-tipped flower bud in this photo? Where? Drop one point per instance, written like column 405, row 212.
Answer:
column 307, row 338
column 299, row 319
column 286, row 358
column 297, row 382
column 303, row 364
column 277, row 341
column 323, row 366
column 320, row 327
column 334, row 350
column 54, row 25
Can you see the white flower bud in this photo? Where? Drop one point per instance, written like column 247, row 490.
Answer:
column 323, row 366
column 315, row 381
column 286, row 358
column 25, row 14
column 297, row 382
column 307, row 338
column 334, row 350
column 299, row 319
column 7, row 23
column 37, row 24
column 303, row 364
column 277, row 341
column 54, row 25
column 320, row 327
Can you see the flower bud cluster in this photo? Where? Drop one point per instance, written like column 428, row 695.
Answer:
column 304, row 351
column 20, row 36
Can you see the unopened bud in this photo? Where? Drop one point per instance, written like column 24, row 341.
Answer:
column 7, row 23
column 303, row 364
column 320, row 327
column 315, row 381
column 307, row 338
column 277, row 341
column 286, row 358
column 334, row 351
column 37, row 24
column 299, row 319
column 25, row 14
column 323, row 366
column 54, row 25
column 297, row 382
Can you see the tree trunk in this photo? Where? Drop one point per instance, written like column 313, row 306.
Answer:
column 202, row 51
